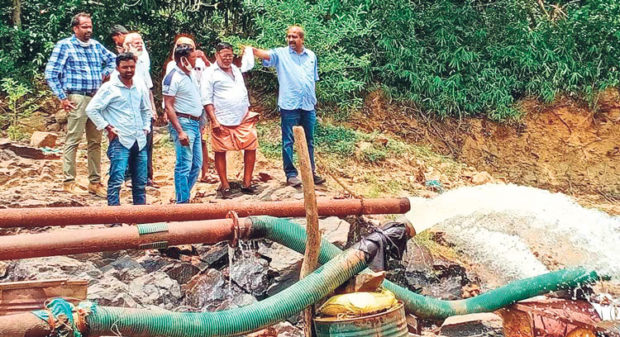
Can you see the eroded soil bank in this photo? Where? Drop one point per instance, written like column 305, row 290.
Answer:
column 564, row 147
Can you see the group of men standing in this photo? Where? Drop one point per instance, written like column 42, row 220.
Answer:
column 103, row 91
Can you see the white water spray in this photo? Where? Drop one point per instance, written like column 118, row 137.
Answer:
column 522, row 231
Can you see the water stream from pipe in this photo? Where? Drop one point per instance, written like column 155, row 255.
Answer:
column 519, row 231
column 231, row 258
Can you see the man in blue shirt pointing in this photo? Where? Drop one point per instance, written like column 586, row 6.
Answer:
column 297, row 69
column 122, row 107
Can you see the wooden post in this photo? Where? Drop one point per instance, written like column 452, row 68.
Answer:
column 313, row 239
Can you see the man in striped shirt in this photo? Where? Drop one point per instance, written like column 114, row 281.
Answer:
column 74, row 73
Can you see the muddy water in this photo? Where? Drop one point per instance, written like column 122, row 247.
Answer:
column 516, row 231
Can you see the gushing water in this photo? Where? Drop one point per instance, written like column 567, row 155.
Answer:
column 521, row 231
column 231, row 258
column 245, row 252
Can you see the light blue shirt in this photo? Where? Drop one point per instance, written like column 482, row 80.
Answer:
column 185, row 90
column 128, row 110
column 297, row 74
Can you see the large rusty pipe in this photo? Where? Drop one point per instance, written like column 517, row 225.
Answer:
column 64, row 216
column 66, row 242
column 23, row 325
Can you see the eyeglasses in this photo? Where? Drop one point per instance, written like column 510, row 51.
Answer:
column 226, row 56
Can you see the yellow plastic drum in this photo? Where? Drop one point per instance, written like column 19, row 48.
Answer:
column 390, row 323
column 357, row 304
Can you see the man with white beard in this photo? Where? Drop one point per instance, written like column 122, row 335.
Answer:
column 133, row 43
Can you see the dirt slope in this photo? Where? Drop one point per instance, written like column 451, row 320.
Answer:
column 563, row 147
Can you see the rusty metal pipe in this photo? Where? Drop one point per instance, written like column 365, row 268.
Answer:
column 65, row 216
column 23, row 325
column 147, row 236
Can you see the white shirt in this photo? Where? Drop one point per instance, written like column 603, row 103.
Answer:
column 226, row 92
column 185, row 90
column 128, row 110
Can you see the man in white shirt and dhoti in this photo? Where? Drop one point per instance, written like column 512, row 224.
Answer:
column 233, row 125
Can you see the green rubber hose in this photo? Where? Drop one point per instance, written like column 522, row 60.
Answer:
column 337, row 268
column 141, row 322
column 293, row 235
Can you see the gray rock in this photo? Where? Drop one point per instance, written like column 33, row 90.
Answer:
column 124, row 300
column 250, row 273
column 152, row 263
column 282, row 329
column 156, row 288
column 283, row 260
column 215, row 256
column 286, row 329
column 238, row 301
column 110, row 291
column 483, row 324
column 333, row 229
column 210, row 292
column 53, row 268
column 125, row 262
column 285, row 193
column 127, row 269
column 181, row 272
column 285, row 265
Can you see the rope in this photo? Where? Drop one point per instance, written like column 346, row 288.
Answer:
column 59, row 314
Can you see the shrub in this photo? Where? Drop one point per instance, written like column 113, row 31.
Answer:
column 18, row 104
column 449, row 57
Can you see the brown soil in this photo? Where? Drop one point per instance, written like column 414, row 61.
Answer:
column 563, row 147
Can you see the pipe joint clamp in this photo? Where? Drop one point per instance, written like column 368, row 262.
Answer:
column 152, row 228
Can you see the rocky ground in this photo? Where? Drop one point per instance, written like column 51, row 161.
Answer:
column 200, row 278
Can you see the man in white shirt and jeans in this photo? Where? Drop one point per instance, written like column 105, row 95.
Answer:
column 121, row 107
column 184, row 110
column 233, row 125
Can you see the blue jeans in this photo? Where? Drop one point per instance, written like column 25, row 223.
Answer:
column 290, row 118
column 189, row 159
column 122, row 158
column 149, row 154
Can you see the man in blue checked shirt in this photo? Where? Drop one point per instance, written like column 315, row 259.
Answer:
column 122, row 107
column 74, row 73
column 297, row 69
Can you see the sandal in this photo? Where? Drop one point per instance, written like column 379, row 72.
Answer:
column 209, row 179
column 226, row 193
column 252, row 189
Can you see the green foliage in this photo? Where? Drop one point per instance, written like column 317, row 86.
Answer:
column 339, row 142
column 16, row 132
column 18, row 105
column 450, row 57
column 24, row 51
column 465, row 58
column 374, row 155
column 336, row 140
column 269, row 139
column 328, row 139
